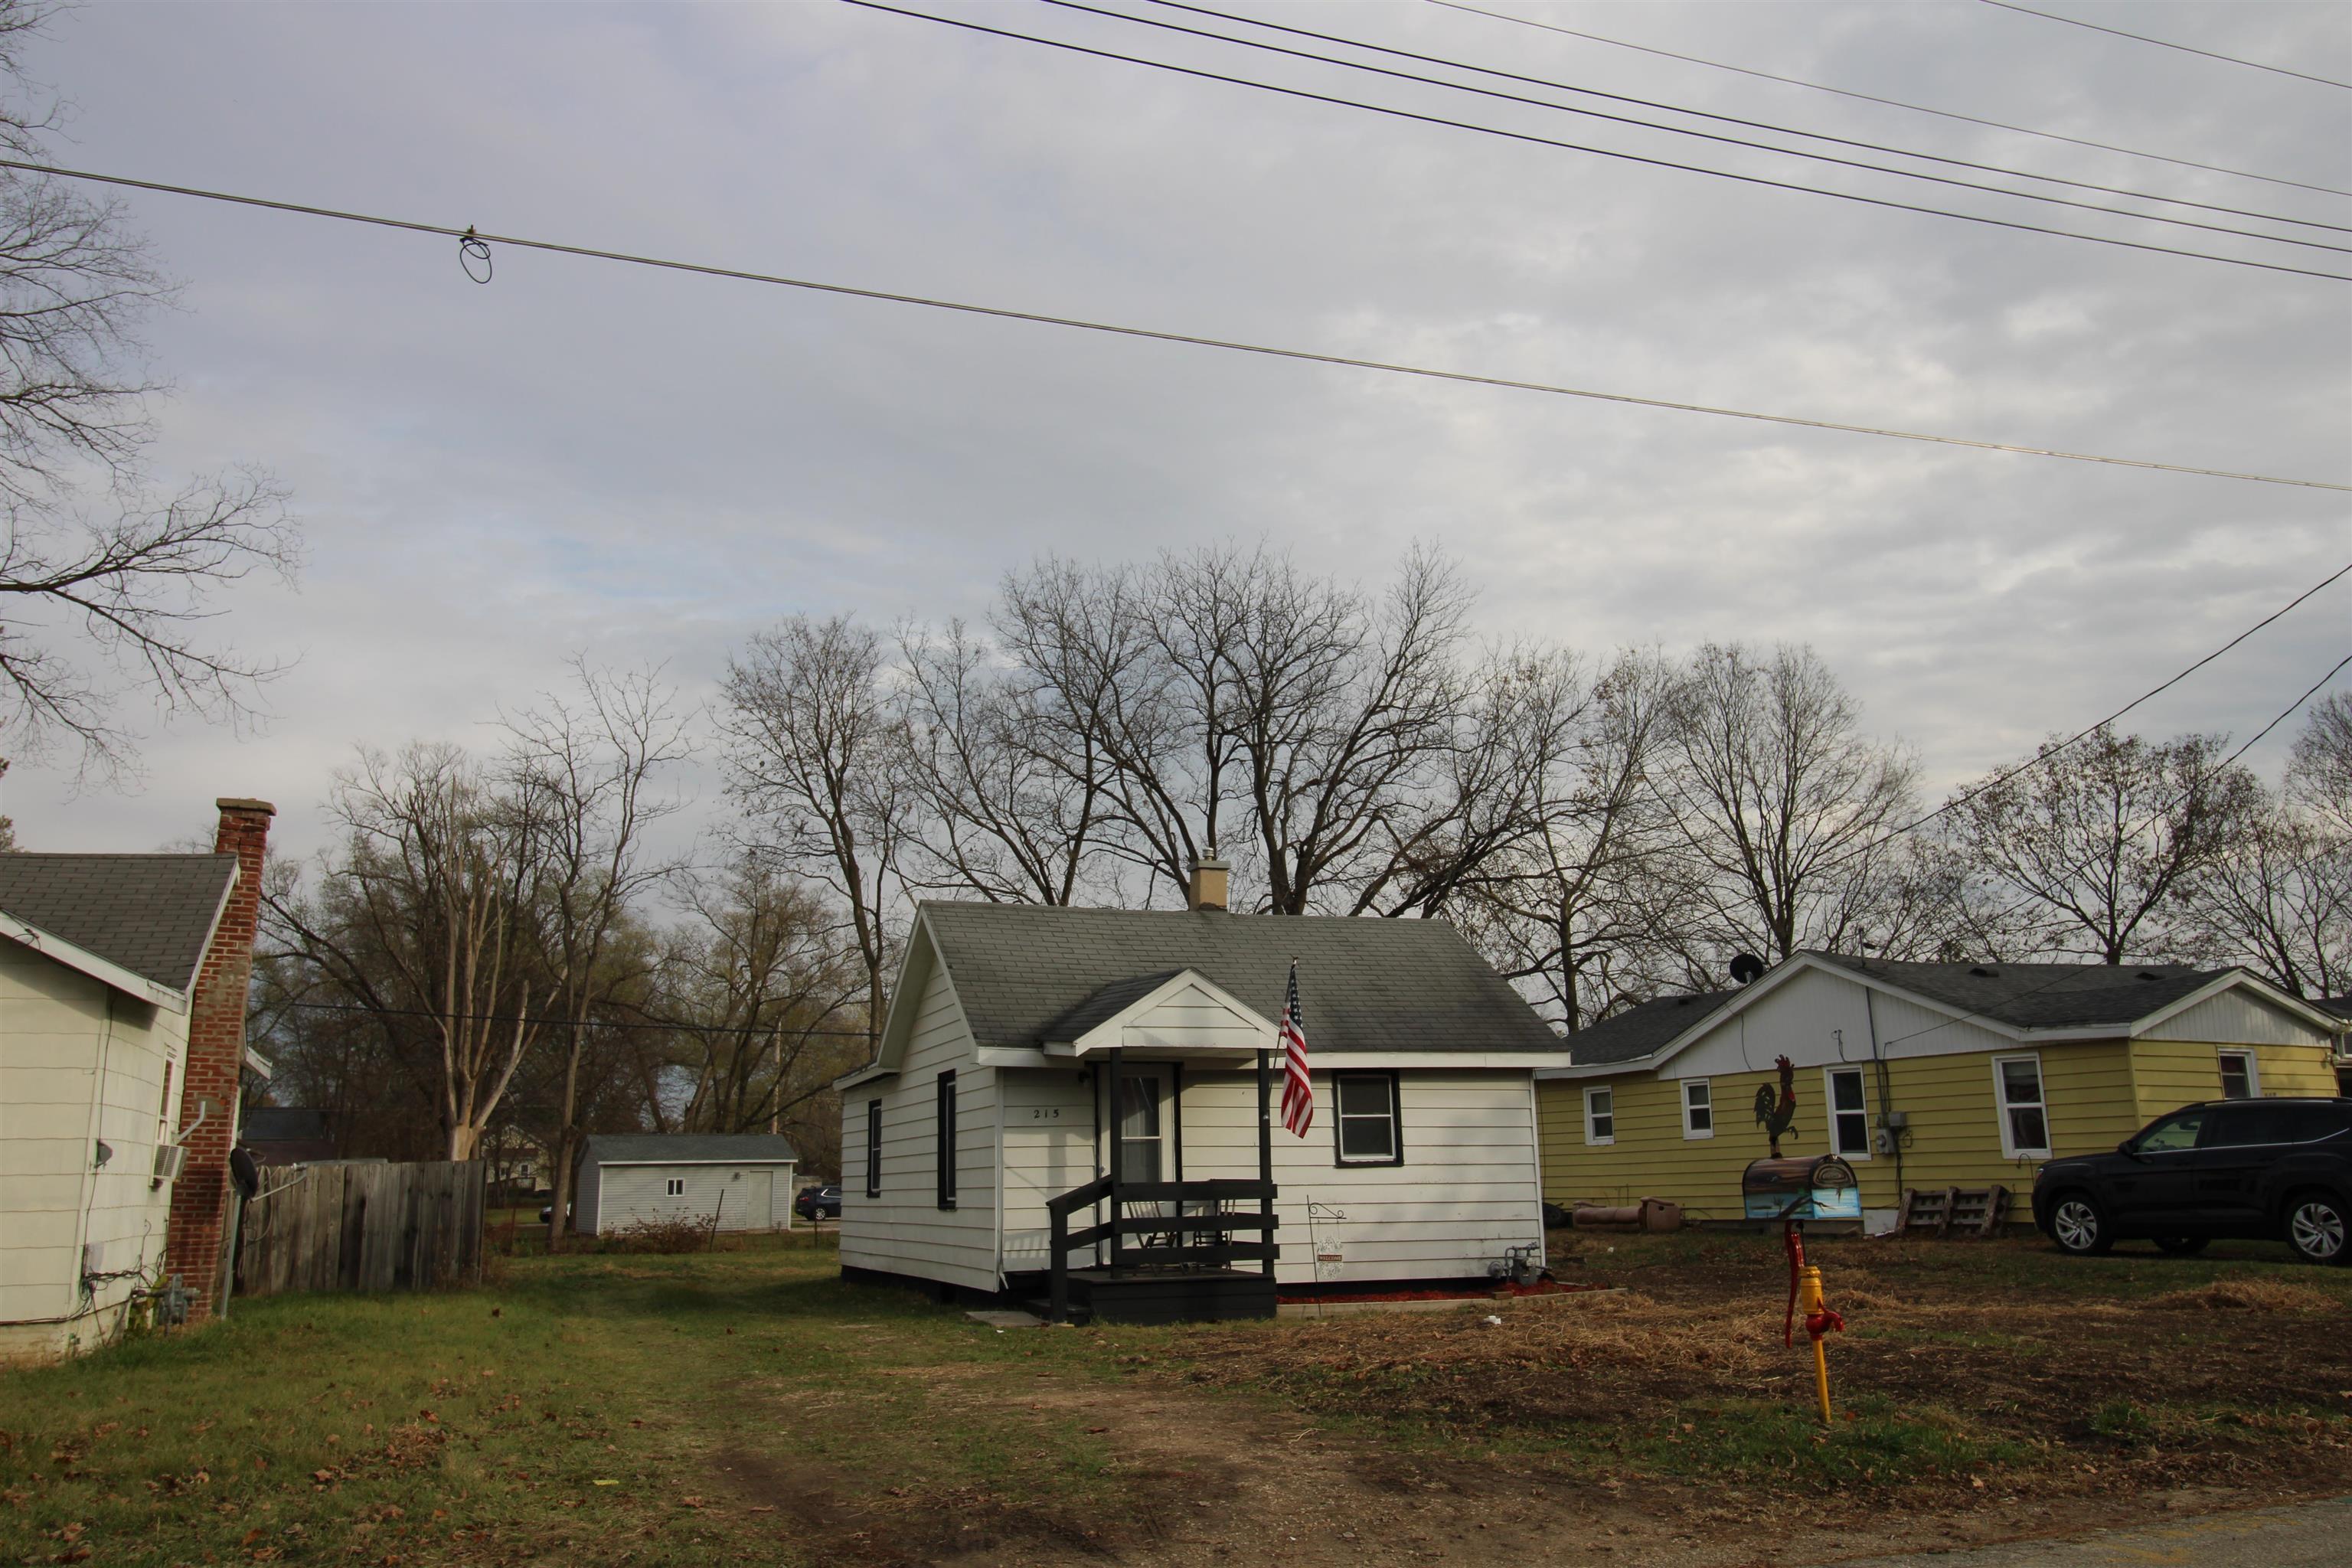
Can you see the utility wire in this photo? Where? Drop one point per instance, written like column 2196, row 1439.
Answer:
column 1583, row 147
column 2168, row 44
column 2050, row 753
column 1889, row 102
column 1235, row 345
column 1720, row 119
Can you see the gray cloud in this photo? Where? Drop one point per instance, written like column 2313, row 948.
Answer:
column 649, row 466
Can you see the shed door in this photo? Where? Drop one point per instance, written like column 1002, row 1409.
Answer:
column 759, row 1200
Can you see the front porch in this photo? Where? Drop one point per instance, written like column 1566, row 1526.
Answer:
column 1164, row 1251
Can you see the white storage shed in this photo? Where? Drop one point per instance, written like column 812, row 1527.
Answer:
column 745, row 1180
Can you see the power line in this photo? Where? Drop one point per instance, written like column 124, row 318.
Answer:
column 2051, row 752
column 2168, row 44
column 1890, row 102
column 1720, row 119
column 1235, row 345
column 1585, row 147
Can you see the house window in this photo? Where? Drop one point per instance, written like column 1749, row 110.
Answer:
column 1698, row 1109
column 2024, row 1115
column 2240, row 1078
column 1850, row 1114
column 945, row 1139
column 674, row 1187
column 1600, row 1116
column 873, row 1147
column 1366, row 1124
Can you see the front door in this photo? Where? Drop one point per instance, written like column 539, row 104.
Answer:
column 1144, row 1151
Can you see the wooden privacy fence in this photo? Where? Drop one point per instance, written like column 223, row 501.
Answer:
column 362, row 1228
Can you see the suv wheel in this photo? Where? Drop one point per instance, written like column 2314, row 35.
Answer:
column 2182, row 1245
column 2317, row 1226
column 2077, row 1227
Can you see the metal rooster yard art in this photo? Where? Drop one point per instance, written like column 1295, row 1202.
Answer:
column 1775, row 1114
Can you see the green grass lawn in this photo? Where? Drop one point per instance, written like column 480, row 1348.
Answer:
column 636, row 1409
column 748, row 1405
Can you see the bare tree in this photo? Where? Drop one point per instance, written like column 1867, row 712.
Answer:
column 589, row 763
column 2277, row 898
column 2319, row 767
column 1781, row 801
column 764, row 997
column 428, row 911
column 816, row 756
column 1570, row 910
column 1011, row 797
column 2104, row 841
column 108, row 600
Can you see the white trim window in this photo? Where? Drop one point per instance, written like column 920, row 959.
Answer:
column 1698, row 1108
column 1600, row 1114
column 2242, row 1075
column 1849, row 1116
column 2017, row 1101
column 674, row 1187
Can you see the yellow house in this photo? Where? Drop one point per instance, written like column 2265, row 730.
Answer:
column 1920, row 1075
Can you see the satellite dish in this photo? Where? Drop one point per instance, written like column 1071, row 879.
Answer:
column 1746, row 968
column 245, row 1171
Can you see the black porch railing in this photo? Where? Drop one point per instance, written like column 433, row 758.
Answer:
column 1156, row 1225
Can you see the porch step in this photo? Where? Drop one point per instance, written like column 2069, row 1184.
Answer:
column 1968, row 1211
column 1169, row 1296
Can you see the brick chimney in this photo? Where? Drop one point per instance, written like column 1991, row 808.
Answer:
column 1209, row 885
column 195, row 1244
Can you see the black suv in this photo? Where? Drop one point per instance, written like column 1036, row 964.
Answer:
column 2259, row 1169
column 819, row 1203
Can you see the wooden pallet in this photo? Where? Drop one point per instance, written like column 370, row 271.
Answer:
column 1965, row 1211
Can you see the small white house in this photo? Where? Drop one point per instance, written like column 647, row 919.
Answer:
column 1114, row 1066
column 744, row 1180
column 100, row 957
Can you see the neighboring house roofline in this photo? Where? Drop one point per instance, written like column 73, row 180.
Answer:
column 106, row 971
column 1808, row 961
column 738, row 1159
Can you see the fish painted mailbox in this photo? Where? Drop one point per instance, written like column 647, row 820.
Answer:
column 1800, row 1187
column 1792, row 1191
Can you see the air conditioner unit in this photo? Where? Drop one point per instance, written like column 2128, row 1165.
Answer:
column 171, row 1158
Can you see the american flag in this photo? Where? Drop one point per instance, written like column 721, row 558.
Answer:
column 1298, row 1089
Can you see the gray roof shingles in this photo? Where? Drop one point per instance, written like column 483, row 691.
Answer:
column 152, row 914
column 1640, row 1029
column 2023, row 996
column 654, row 1148
column 2041, row 996
column 1026, row 974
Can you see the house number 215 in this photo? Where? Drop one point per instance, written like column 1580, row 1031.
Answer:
column 1045, row 1113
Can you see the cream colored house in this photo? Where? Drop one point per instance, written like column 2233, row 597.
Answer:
column 1924, row 1076
column 100, row 957
column 1112, row 1065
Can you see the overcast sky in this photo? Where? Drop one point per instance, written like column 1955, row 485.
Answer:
column 649, row 466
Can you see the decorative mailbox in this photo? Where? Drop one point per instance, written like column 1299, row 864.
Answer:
column 1805, row 1186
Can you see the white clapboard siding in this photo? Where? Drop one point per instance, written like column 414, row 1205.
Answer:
column 904, row 1230
column 79, row 1062
column 2240, row 1018
column 1467, row 1188
column 741, row 1197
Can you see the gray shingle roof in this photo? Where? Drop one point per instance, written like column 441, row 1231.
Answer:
column 749, row 1148
column 2041, row 996
column 152, row 914
column 1025, row 973
column 1640, row 1029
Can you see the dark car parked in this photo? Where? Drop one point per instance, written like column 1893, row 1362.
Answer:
column 2277, row 1170
column 818, row 1203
